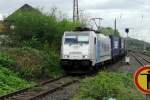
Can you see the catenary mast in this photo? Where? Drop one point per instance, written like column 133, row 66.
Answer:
column 75, row 10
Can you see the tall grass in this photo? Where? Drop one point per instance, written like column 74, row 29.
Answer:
column 108, row 85
column 31, row 63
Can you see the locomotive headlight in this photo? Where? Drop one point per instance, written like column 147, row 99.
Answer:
column 85, row 56
column 66, row 56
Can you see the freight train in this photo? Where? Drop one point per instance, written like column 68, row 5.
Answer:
column 88, row 50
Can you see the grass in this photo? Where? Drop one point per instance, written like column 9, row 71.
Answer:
column 10, row 82
column 108, row 85
column 18, row 64
column 53, row 56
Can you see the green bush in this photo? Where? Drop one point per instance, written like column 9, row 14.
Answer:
column 43, row 32
column 109, row 31
column 107, row 85
column 5, row 60
column 10, row 82
column 53, row 56
column 31, row 63
column 43, row 27
column 33, row 43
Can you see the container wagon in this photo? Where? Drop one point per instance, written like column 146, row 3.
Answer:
column 122, row 47
column 115, row 50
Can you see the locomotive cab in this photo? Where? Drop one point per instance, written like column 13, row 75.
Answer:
column 77, row 49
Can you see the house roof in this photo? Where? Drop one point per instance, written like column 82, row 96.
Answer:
column 25, row 7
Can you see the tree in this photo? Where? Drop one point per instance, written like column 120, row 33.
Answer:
column 109, row 31
column 44, row 27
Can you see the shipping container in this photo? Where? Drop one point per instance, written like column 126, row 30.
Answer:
column 122, row 46
column 115, row 50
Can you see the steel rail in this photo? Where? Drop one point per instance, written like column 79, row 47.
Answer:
column 28, row 88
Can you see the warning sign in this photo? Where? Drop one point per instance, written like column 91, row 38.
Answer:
column 142, row 79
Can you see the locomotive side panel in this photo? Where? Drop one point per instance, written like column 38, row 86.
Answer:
column 104, row 48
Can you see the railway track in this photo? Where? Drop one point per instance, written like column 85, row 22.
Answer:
column 46, row 88
column 141, row 59
column 145, row 57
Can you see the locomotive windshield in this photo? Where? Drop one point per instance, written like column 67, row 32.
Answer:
column 77, row 39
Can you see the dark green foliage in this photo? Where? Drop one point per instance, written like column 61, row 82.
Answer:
column 52, row 54
column 136, row 45
column 29, row 24
column 6, row 61
column 33, row 43
column 43, row 33
column 109, row 31
column 108, row 85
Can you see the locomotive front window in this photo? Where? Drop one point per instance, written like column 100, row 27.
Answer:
column 83, row 39
column 76, row 39
column 71, row 39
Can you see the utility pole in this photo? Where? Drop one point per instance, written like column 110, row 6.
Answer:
column 115, row 26
column 75, row 10
column 144, row 47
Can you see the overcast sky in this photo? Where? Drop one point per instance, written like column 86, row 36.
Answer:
column 134, row 14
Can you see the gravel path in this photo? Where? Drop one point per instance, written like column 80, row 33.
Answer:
column 122, row 67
